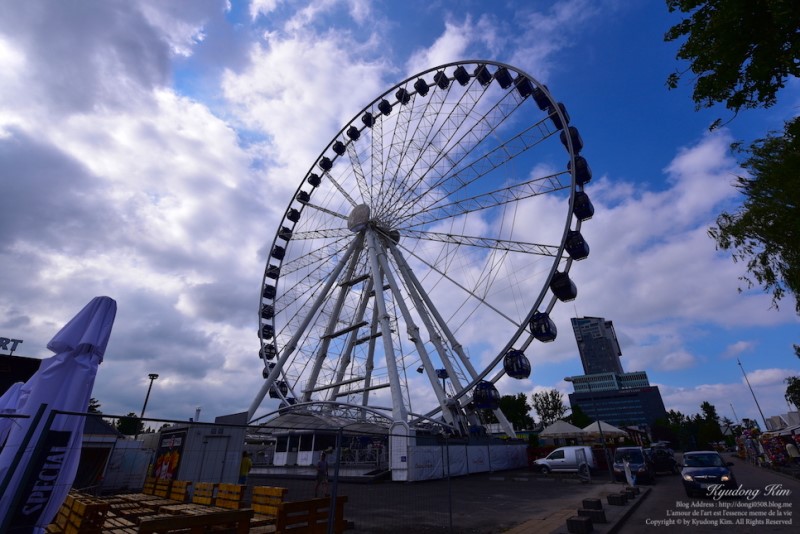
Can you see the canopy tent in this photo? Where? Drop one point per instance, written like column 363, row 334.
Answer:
column 608, row 430
column 561, row 429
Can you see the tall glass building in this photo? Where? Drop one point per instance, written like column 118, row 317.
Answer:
column 606, row 392
column 598, row 345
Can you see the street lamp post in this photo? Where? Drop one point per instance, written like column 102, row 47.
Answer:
column 599, row 426
column 152, row 377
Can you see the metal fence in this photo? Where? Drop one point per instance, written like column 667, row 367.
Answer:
column 456, row 498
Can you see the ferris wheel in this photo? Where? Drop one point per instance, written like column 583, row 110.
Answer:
column 423, row 252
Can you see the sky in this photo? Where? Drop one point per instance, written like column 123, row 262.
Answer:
column 148, row 151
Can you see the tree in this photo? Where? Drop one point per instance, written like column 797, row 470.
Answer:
column 130, row 424
column 517, row 410
column 94, row 406
column 765, row 231
column 579, row 418
column 740, row 53
column 792, row 395
column 549, row 405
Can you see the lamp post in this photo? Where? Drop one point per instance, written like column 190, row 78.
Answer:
column 599, row 426
column 152, row 377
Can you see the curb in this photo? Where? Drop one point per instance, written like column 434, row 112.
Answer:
column 617, row 516
column 614, row 528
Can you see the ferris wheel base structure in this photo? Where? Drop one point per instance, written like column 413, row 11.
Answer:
column 421, row 256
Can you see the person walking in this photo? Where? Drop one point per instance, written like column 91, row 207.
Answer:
column 322, row 476
column 794, row 454
column 244, row 467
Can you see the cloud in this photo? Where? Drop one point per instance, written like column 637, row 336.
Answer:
column 91, row 51
column 740, row 347
column 769, row 377
column 149, row 149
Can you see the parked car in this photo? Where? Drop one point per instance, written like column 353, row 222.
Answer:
column 701, row 469
column 568, row 459
column 663, row 460
column 640, row 466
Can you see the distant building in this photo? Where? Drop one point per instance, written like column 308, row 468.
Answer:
column 606, row 392
column 16, row 369
column 598, row 345
column 631, row 403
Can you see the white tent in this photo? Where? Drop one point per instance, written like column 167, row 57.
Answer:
column 561, row 429
column 608, row 430
column 38, row 465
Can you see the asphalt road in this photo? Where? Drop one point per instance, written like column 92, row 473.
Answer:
column 773, row 498
column 482, row 503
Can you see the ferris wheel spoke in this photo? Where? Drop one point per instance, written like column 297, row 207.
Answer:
column 358, row 171
column 434, row 133
column 453, row 155
column 499, row 156
column 485, row 242
column 323, row 233
column 342, row 191
column 471, row 293
column 326, row 211
column 423, row 132
column 513, row 193
column 317, row 256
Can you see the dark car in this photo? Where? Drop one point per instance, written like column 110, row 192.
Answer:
column 639, row 464
column 702, row 469
column 663, row 460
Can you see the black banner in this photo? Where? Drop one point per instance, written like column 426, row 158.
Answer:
column 42, row 473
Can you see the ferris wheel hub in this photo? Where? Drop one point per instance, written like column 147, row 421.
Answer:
column 359, row 218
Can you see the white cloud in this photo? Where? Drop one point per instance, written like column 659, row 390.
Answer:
column 769, row 377
column 740, row 347
column 129, row 169
column 260, row 8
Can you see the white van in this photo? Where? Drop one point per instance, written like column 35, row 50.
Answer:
column 566, row 459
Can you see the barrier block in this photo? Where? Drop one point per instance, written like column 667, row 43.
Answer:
column 579, row 525
column 597, row 516
column 616, row 499
column 592, row 504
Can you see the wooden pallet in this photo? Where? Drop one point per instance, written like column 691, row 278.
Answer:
column 265, row 502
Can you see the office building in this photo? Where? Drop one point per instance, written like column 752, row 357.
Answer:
column 606, row 392
column 598, row 345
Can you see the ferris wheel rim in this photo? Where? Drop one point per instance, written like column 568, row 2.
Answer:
column 568, row 225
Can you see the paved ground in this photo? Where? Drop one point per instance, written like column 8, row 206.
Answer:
column 515, row 502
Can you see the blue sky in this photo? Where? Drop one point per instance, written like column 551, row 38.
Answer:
column 148, row 150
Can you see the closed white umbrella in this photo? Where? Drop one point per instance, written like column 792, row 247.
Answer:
column 34, row 488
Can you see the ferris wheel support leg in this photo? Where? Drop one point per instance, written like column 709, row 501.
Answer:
column 413, row 334
column 322, row 352
column 399, row 412
column 405, row 269
column 454, row 343
column 414, row 291
column 370, row 365
column 344, row 363
column 292, row 344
